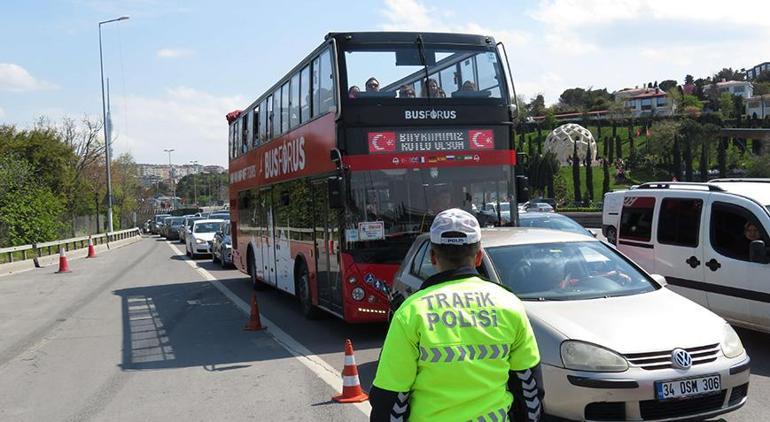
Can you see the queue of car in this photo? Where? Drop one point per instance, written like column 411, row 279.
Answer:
column 203, row 233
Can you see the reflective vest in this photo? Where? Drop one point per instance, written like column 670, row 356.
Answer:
column 451, row 346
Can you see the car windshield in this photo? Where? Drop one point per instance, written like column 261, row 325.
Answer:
column 177, row 222
column 566, row 271
column 191, row 221
column 388, row 208
column 554, row 222
column 400, row 72
column 207, row 227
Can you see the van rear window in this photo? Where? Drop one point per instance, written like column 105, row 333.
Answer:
column 636, row 218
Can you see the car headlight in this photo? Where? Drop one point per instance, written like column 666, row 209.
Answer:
column 358, row 293
column 200, row 241
column 731, row 343
column 581, row 356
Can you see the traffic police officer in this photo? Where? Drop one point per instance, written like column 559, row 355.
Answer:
column 460, row 348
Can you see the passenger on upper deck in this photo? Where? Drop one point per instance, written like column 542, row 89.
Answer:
column 406, row 91
column 468, row 86
column 353, row 91
column 372, row 85
column 433, row 89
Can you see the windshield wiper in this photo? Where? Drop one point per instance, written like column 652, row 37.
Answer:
column 421, row 50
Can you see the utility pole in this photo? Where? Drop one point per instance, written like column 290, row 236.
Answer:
column 107, row 133
column 171, row 175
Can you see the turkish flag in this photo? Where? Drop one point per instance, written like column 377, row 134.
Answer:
column 382, row 141
column 481, row 139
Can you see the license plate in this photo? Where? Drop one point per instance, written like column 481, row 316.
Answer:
column 687, row 387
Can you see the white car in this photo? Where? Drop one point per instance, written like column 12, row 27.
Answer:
column 198, row 240
column 709, row 240
column 615, row 343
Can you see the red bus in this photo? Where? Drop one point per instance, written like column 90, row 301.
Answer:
column 339, row 165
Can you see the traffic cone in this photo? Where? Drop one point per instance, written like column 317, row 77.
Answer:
column 254, row 323
column 351, row 385
column 91, row 251
column 64, row 267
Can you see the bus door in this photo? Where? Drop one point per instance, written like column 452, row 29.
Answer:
column 326, row 246
column 267, row 239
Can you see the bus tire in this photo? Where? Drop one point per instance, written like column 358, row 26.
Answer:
column 256, row 284
column 612, row 235
column 302, row 287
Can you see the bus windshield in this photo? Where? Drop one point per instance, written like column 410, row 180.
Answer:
column 399, row 72
column 388, row 208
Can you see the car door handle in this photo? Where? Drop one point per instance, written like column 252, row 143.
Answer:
column 692, row 262
column 713, row 264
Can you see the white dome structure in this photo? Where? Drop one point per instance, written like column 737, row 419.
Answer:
column 561, row 141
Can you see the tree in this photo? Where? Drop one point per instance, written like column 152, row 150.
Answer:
column 676, row 166
column 606, row 180
column 729, row 74
column 550, row 118
column 667, row 85
column 618, row 147
column 536, row 107
column 660, row 145
column 710, row 134
column 576, row 172
column 690, row 131
column 722, row 157
column 689, row 80
column 726, row 104
column 589, row 175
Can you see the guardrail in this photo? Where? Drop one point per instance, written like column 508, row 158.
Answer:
column 39, row 250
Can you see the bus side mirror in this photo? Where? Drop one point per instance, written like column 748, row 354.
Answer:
column 758, row 252
column 522, row 189
column 336, row 189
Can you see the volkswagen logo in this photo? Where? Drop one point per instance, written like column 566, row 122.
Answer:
column 681, row 359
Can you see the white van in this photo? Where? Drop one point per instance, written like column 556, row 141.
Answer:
column 710, row 241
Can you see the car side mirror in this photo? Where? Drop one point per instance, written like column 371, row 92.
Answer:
column 758, row 252
column 659, row 279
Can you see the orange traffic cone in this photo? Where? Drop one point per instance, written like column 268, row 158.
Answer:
column 351, row 385
column 64, row 267
column 254, row 323
column 91, row 251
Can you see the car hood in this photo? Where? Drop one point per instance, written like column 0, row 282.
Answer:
column 204, row 236
column 659, row 320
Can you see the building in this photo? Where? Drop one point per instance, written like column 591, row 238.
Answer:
column 743, row 89
column 758, row 107
column 214, row 169
column 646, row 102
column 752, row 73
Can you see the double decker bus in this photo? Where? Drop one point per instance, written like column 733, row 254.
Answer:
column 342, row 163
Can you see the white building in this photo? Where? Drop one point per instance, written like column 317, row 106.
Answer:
column 645, row 102
column 743, row 89
column 758, row 107
column 752, row 73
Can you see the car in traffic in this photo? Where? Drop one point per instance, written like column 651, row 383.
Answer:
column 710, row 240
column 532, row 206
column 222, row 246
column 552, row 220
column 220, row 215
column 171, row 227
column 200, row 236
column 615, row 342
column 184, row 230
column 156, row 221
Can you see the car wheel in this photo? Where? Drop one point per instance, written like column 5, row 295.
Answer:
column 612, row 235
column 302, row 281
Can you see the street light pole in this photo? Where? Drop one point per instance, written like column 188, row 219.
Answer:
column 171, row 174
column 195, row 182
column 107, row 133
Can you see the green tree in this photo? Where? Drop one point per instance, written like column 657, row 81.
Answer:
column 660, row 146
column 29, row 211
column 589, row 175
column 726, row 104
column 606, row 173
column 536, row 106
column 667, row 85
column 690, row 131
column 576, row 173
column 729, row 74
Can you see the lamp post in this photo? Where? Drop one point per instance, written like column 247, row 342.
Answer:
column 195, row 182
column 171, row 175
column 107, row 131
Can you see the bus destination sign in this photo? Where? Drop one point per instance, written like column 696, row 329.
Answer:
column 430, row 140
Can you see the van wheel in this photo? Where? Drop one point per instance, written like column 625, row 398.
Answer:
column 612, row 235
column 302, row 283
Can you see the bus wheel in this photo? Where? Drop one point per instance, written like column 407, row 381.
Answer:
column 612, row 235
column 302, row 281
column 255, row 283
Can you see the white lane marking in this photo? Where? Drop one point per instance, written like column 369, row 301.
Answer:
column 323, row 370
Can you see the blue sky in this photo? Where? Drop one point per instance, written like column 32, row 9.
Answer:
column 176, row 67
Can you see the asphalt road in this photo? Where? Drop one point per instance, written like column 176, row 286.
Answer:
column 140, row 334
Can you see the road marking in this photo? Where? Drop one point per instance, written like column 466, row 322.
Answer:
column 323, row 370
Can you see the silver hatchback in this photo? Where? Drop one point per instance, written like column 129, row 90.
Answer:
column 615, row 343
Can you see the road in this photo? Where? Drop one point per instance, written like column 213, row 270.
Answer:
column 144, row 333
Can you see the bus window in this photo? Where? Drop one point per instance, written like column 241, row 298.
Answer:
column 468, row 72
column 489, row 71
column 448, row 78
column 294, row 101
column 316, row 91
column 236, row 134
column 230, row 142
column 255, row 127
column 263, row 122
column 276, row 114
column 326, row 101
column 285, row 108
column 305, row 94
column 245, row 132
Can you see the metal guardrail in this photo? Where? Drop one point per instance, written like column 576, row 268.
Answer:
column 37, row 250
